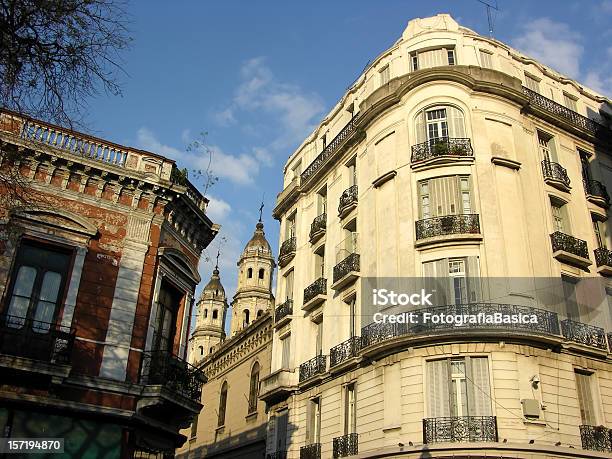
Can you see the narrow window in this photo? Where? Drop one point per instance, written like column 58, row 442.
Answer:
column 424, row 199
column 599, row 228
column 289, row 285
column 314, row 424
column 451, row 56
column 201, row 350
column 457, row 275
column 168, row 303
column 572, row 308
column 559, row 216
column 532, row 83
column 570, row 102
column 384, row 75
column 222, row 405
column 320, row 262
column 250, row 273
column 194, row 427
column 261, row 273
column 322, row 201
column 254, row 388
column 485, row 59
column 285, row 346
column 350, row 411
column 290, row 227
column 215, row 314
column 319, row 337
column 466, row 202
column 585, row 397
column 205, row 313
column 259, row 313
column 415, row 61
column 245, row 318
column 547, row 147
column 282, row 421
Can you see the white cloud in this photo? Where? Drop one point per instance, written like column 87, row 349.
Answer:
column 218, row 209
column 240, row 169
column 553, row 43
column 601, row 84
column 296, row 110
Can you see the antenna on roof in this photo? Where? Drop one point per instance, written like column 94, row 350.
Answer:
column 490, row 17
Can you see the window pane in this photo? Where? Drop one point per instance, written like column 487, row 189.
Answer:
column 20, row 300
column 25, row 281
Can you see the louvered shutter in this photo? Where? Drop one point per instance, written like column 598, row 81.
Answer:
column 478, row 386
column 429, row 274
column 456, row 125
column 552, row 148
column 438, row 388
column 420, row 128
column 281, row 430
column 474, row 286
column 443, row 284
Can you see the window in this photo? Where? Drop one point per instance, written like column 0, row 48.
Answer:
column 205, row 313
column 438, row 123
column 572, row 309
column 194, row 427
column 585, row 397
column 532, row 83
column 548, row 149
column 201, row 350
column 250, row 273
column 599, row 228
column 285, row 346
column 350, row 409
column 459, row 387
column 559, row 216
column 254, row 388
column 445, row 196
column 215, row 314
column 322, row 201
column 289, row 285
column 281, row 420
column 352, row 167
column 384, row 75
column 585, row 168
column 320, row 262
column 40, row 276
column 570, row 102
column 222, row 405
column 324, row 141
column 259, row 313
column 437, row 126
column 454, row 280
column 261, row 273
column 319, row 337
column 432, row 58
column 290, row 227
column 168, row 303
column 245, row 318
column 457, row 274
column 485, row 59
column 313, row 433
column 353, row 317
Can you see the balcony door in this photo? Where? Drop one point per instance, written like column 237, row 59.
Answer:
column 39, row 279
column 443, row 196
column 168, row 304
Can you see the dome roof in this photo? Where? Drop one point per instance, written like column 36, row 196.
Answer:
column 214, row 289
column 258, row 242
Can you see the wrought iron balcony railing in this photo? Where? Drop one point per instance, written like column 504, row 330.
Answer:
column 460, row 429
column 603, row 256
column 350, row 263
column 287, row 251
column 447, row 225
column 331, row 148
column 347, row 199
column 165, row 369
column 36, row 340
column 313, row 367
column 311, row 451
column 570, row 244
column 596, row 438
column 571, row 116
column 443, row 146
column 556, row 172
column 586, row 334
column 547, row 322
column 318, row 225
column 277, row 455
column 318, row 287
column 347, row 445
column 283, row 310
column 344, row 351
column 596, row 189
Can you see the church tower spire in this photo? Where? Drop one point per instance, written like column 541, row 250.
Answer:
column 210, row 318
column 255, row 270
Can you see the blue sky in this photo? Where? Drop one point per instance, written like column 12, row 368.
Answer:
column 259, row 75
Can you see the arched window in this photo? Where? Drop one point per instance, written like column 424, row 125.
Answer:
column 245, row 317
column 439, row 123
column 250, row 273
column 201, row 350
column 222, row 405
column 215, row 314
column 205, row 313
column 259, row 313
column 254, row 388
column 210, row 350
column 261, row 273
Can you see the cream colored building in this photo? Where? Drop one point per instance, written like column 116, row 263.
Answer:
column 459, row 162
column 233, row 421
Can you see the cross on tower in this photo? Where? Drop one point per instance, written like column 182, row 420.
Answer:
column 261, row 210
column 217, row 265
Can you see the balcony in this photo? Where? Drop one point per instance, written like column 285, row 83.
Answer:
column 346, row 272
column 603, row 260
column 596, row 438
column 347, row 445
column 597, row 193
column 282, row 313
column 348, row 201
column 344, row 351
column 460, row 429
column 586, row 334
column 277, row 386
column 447, row 228
column 443, row 150
column 556, row 176
column 314, row 367
column 569, row 249
column 547, row 323
column 311, row 451
column 315, row 294
column 277, row 455
column 35, row 346
column 287, row 252
column 317, row 228
column 173, row 374
column 557, row 113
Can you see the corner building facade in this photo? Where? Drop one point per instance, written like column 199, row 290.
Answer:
column 459, row 161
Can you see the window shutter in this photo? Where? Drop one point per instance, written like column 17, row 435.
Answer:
column 438, row 387
column 455, row 122
column 473, row 273
column 585, row 399
column 478, row 386
column 442, row 284
column 281, row 430
column 420, row 127
column 309, row 422
column 552, row 148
